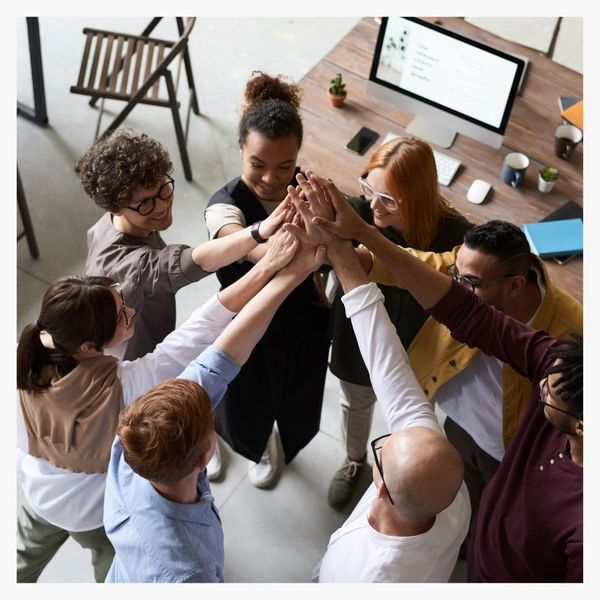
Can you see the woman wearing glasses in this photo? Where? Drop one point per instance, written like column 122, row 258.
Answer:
column 128, row 175
column 400, row 196
column 70, row 394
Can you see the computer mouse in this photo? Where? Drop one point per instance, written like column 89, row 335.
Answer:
column 478, row 191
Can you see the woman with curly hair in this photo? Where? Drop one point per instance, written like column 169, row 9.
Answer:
column 129, row 175
column 284, row 379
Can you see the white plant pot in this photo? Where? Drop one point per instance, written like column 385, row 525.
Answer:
column 545, row 186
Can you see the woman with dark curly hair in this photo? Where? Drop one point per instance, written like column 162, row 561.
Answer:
column 129, row 175
column 283, row 380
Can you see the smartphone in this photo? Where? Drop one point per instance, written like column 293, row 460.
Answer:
column 362, row 140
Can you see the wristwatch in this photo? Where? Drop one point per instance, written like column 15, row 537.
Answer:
column 255, row 234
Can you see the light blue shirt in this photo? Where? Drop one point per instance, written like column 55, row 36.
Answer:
column 155, row 539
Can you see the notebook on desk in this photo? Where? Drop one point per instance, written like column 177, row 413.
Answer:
column 549, row 239
column 569, row 210
column 574, row 114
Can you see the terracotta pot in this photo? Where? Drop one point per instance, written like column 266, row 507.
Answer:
column 337, row 100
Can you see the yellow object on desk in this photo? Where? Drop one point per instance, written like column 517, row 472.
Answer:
column 574, row 114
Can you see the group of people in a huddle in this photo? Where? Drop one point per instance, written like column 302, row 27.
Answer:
column 122, row 417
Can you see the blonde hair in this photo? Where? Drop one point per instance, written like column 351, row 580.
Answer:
column 412, row 177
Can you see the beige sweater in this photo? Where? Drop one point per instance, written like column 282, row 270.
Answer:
column 74, row 422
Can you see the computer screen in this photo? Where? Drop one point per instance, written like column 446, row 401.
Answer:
column 451, row 83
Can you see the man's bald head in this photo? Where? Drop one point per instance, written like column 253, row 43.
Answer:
column 423, row 471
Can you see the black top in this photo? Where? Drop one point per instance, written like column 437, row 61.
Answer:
column 404, row 311
column 284, row 377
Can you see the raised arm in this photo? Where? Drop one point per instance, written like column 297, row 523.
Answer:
column 279, row 253
column 424, row 283
column 241, row 335
column 396, row 387
column 237, row 241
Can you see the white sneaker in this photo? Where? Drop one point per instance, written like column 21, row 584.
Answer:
column 215, row 464
column 262, row 473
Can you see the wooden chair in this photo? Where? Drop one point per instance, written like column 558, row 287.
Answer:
column 138, row 69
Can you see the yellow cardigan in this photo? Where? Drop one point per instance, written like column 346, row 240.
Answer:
column 435, row 356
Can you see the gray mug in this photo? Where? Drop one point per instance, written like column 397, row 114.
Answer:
column 566, row 137
column 513, row 169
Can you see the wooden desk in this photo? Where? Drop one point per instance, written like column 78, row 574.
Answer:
column 530, row 130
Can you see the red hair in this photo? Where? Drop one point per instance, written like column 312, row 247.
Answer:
column 411, row 176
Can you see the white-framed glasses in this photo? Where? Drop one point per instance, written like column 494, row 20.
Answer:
column 369, row 193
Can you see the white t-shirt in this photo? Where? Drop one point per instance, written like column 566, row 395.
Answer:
column 358, row 553
column 473, row 400
column 219, row 215
column 74, row 501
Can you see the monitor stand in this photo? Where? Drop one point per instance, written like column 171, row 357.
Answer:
column 430, row 131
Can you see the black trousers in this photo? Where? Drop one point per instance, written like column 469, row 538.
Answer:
column 479, row 469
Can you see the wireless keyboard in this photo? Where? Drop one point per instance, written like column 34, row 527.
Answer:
column 446, row 165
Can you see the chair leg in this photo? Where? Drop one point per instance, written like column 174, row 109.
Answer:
column 187, row 169
column 100, row 113
column 26, row 219
column 188, row 69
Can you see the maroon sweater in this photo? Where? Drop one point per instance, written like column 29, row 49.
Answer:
column 530, row 522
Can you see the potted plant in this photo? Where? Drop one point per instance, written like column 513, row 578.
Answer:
column 547, row 177
column 337, row 93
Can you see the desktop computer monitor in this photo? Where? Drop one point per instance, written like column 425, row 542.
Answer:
column 451, row 83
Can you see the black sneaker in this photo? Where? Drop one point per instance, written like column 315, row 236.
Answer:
column 343, row 483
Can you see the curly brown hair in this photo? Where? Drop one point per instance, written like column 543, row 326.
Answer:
column 116, row 166
column 271, row 108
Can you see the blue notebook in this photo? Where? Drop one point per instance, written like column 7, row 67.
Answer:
column 555, row 238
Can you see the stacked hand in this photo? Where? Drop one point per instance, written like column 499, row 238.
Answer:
column 281, row 249
column 327, row 218
column 282, row 214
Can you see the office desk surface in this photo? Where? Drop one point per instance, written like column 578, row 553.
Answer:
column 530, row 130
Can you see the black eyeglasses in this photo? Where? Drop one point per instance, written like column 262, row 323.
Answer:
column 146, row 206
column 123, row 311
column 545, row 392
column 376, row 446
column 471, row 284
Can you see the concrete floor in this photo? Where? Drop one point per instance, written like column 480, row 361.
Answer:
column 292, row 522
column 223, row 52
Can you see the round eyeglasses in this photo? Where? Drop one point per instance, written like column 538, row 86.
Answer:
column 369, row 193
column 146, row 206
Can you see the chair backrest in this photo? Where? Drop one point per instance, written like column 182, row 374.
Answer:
column 135, row 55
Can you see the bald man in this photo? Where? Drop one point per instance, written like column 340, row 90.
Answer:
column 410, row 523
